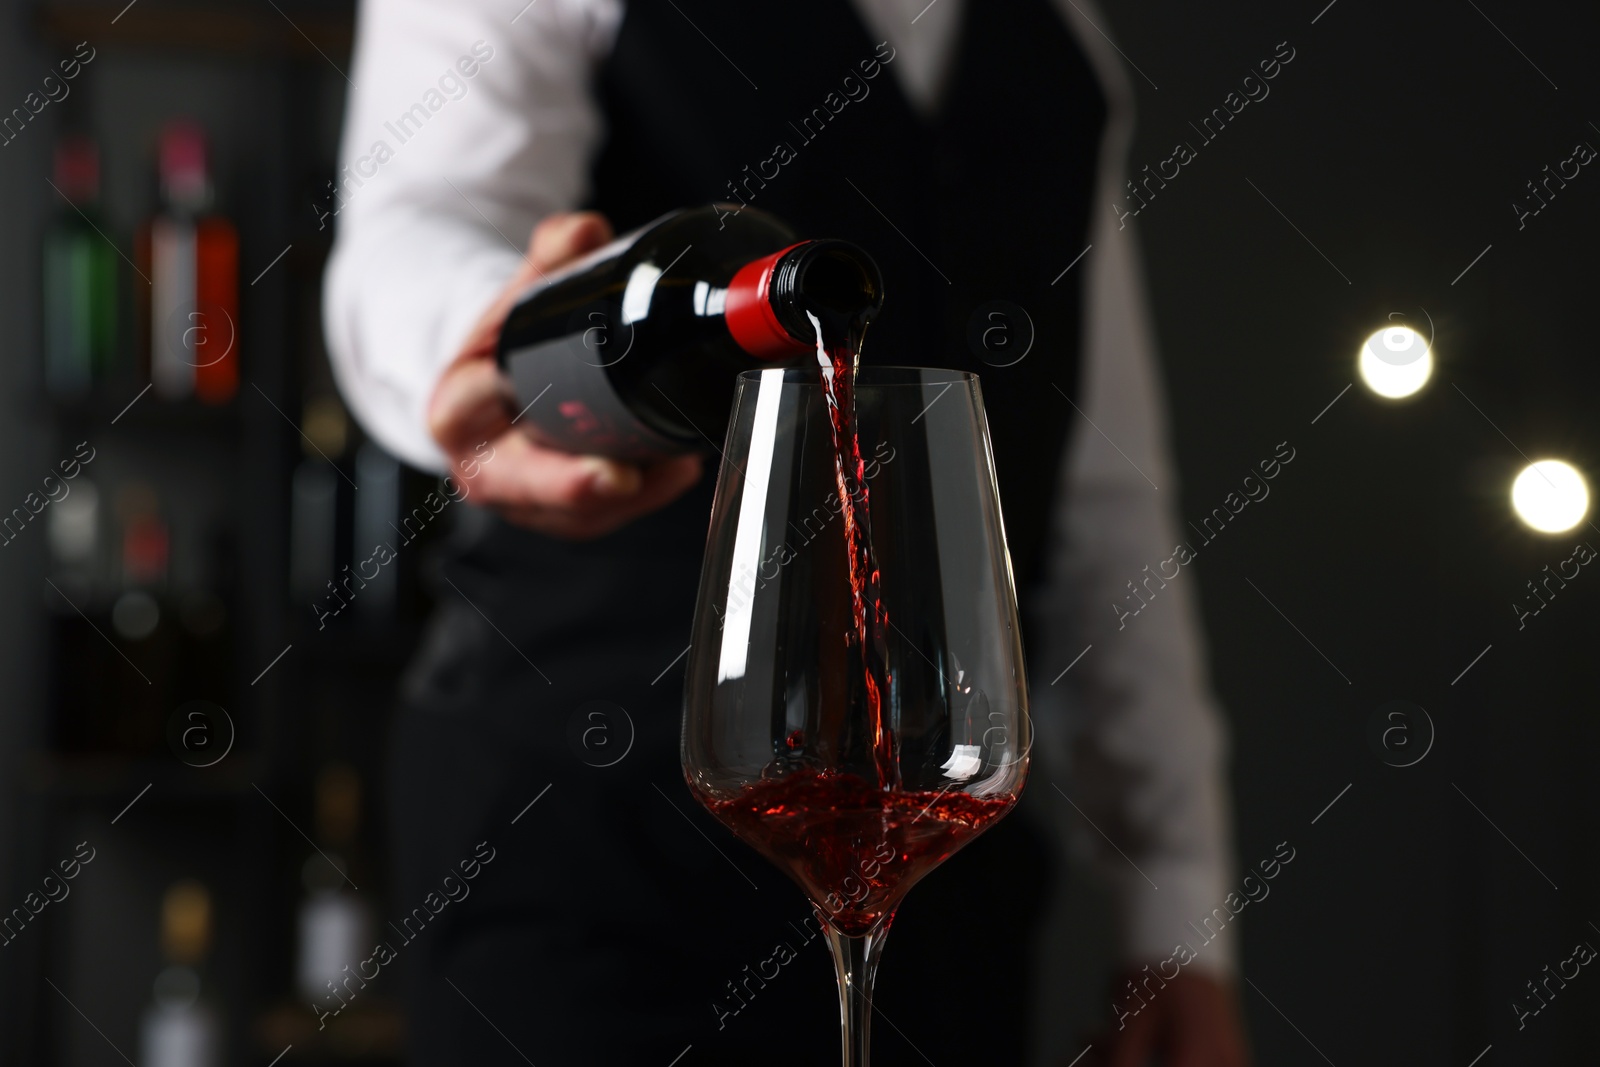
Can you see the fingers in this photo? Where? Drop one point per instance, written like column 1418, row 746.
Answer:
column 556, row 241
column 556, row 493
column 563, row 237
column 527, row 476
column 544, row 489
column 583, row 497
column 471, row 404
column 664, row 482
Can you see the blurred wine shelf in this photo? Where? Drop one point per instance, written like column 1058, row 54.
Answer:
column 187, row 557
column 129, row 409
column 370, row 1032
column 111, row 776
column 268, row 33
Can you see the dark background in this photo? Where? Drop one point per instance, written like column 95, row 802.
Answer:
column 1396, row 142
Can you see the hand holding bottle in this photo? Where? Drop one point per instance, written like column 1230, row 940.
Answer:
column 553, row 492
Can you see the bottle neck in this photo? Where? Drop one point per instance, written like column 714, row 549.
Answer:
column 187, row 199
column 751, row 315
column 770, row 300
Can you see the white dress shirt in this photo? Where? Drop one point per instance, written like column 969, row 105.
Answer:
column 430, row 230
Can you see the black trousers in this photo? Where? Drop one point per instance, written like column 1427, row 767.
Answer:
column 616, row 922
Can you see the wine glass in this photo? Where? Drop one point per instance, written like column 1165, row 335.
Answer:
column 856, row 708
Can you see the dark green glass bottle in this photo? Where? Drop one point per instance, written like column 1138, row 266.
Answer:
column 633, row 351
column 80, row 278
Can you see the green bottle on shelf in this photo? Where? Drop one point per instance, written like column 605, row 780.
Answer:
column 80, row 277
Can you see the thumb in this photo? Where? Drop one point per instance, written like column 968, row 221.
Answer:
column 556, row 241
column 563, row 237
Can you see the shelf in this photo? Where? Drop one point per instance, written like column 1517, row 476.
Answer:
column 149, row 24
column 117, row 778
column 123, row 404
column 359, row 642
column 224, row 475
column 366, row 1032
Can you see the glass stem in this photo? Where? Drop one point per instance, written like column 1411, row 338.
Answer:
column 855, row 962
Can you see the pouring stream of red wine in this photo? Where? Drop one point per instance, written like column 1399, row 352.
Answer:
column 838, row 356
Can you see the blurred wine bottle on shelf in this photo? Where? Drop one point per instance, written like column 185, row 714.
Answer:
column 75, row 541
column 314, row 503
column 335, row 925
column 138, row 629
column 377, row 510
column 137, row 613
column 314, row 528
column 189, row 311
column 80, row 277
column 142, row 624
column 145, row 541
column 180, row 1028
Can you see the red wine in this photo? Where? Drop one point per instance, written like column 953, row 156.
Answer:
column 639, row 343
column 839, row 337
column 854, row 848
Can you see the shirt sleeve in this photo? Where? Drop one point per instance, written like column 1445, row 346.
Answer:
column 467, row 122
column 1133, row 726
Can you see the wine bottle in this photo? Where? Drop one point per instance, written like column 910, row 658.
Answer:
column 180, row 1028
column 143, row 624
column 335, row 925
column 638, row 344
column 74, row 536
column 190, row 309
column 80, row 277
column 377, row 507
column 314, row 510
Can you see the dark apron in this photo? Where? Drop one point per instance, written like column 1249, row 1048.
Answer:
column 617, row 923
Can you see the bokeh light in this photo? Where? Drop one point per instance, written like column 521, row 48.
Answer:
column 1550, row 496
column 1395, row 362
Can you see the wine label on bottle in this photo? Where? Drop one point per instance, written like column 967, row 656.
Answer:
column 573, row 406
column 569, row 398
column 172, row 299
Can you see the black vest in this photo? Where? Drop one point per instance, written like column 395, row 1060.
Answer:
column 797, row 111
